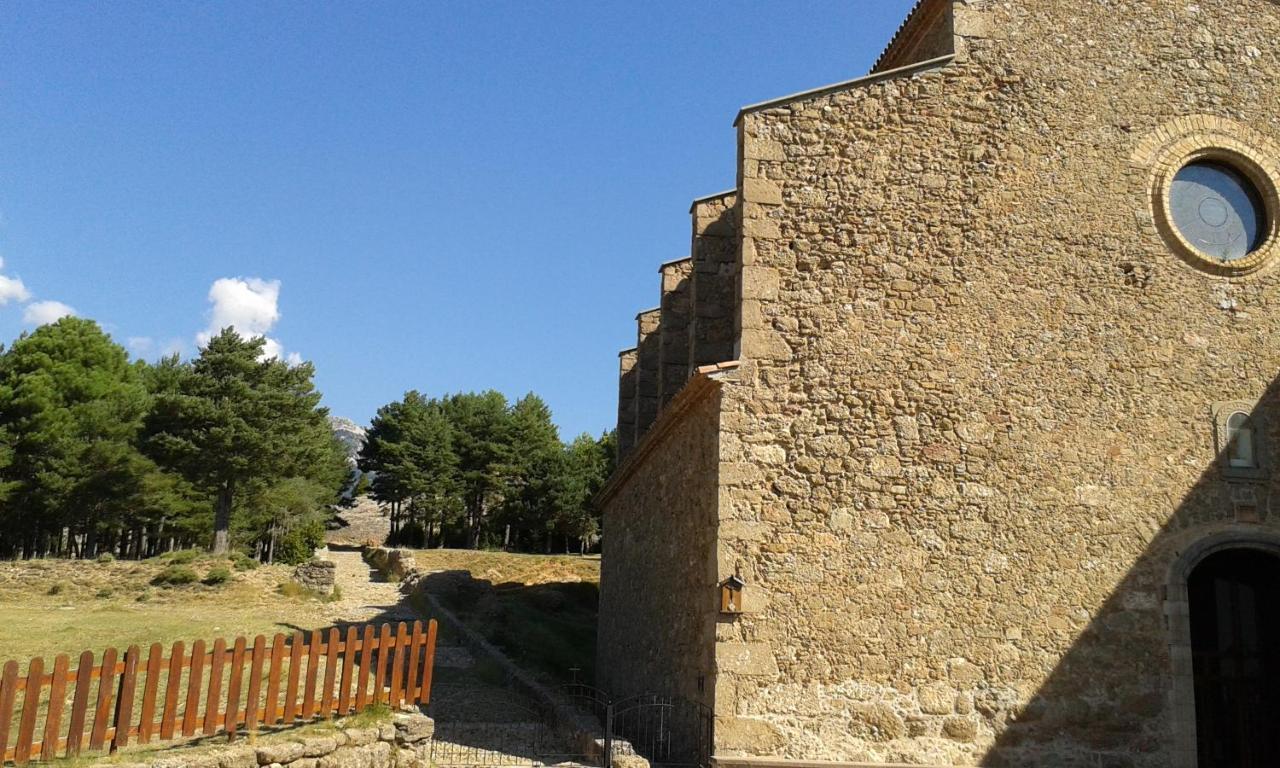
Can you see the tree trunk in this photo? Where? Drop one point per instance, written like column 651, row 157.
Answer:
column 222, row 519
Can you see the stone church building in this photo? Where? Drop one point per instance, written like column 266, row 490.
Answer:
column 956, row 439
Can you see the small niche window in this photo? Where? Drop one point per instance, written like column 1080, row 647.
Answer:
column 1240, row 440
column 1241, row 448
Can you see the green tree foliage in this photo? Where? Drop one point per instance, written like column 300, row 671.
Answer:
column 236, row 423
column 481, row 439
column 473, row 470
column 74, row 482
column 588, row 464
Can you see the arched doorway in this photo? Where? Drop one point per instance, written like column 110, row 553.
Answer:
column 1234, row 601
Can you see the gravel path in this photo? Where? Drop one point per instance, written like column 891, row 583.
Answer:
column 365, row 596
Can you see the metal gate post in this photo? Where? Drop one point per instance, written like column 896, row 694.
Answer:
column 608, row 735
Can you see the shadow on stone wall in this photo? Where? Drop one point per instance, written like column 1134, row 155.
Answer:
column 1122, row 695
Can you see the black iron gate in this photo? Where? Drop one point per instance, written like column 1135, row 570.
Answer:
column 666, row 730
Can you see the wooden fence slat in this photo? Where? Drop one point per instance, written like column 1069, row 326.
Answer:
column 313, row 670
column 398, row 663
column 215, row 687
column 233, row 689
column 124, row 704
column 271, row 710
column 79, row 704
column 255, row 684
column 396, row 697
column 57, row 701
column 428, row 665
column 366, row 668
column 330, row 672
column 147, row 720
column 295, row 667
column 8, row 691
column 106, row 691
column 172, row 686
column 415, row 650
column 348, row 662
column 30, row 707
column 195, row 681
column 384, row 653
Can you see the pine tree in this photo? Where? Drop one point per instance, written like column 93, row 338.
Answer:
column 70, row 408
column 589, row 463
column 481, row 430
column 533, row 473
column 234, row 420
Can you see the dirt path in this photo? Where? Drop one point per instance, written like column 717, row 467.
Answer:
column 365, row 596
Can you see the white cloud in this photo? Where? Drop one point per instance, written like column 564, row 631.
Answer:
column 141, row 345
column 294, row 359
column 271, row 348
column 45, row 312
column 250, row 305
column 12, row 289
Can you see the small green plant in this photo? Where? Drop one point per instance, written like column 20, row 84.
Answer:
column 106, row 557
column 57, row 588
column 373, row 714
column 104, row 593
column 219, row 574
column 183, row 556
column 175, row 575
column 292, row 589
column 242, row 562
column 144, row 596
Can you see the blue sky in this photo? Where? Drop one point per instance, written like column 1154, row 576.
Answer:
column 435, row 195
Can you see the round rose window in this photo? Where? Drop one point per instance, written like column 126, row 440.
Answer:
column 1217, row 210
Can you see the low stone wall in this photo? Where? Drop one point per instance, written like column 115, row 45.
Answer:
column 575, row 726
column 403, row 742
column 392, row 563
column 317, row 575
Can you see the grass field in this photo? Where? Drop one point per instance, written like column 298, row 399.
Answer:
column 49, row 607
column 539, row 609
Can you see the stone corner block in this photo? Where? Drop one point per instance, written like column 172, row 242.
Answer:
column 746, row 659
column 413, row 728
column 748, row 736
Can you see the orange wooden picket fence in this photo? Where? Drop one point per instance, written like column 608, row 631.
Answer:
column 313, row 675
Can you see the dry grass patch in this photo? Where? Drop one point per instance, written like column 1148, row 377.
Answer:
column 49, row 607
column 508, row 567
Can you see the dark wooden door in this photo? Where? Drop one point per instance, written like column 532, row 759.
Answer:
column 1235, row 642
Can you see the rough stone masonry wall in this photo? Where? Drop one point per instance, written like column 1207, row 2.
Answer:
column 657, row 580
column 626, row 402
column 714, row 280
column 673, row 368
column 973, row 429
column 648, row 364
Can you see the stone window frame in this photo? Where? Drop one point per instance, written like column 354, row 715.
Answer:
column 1177, row 610
column 1211, row 139
column 1222, row 413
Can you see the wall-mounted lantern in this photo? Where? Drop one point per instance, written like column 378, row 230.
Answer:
column 731, row 595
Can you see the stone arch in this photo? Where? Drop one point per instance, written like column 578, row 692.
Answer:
column 1177, row 611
